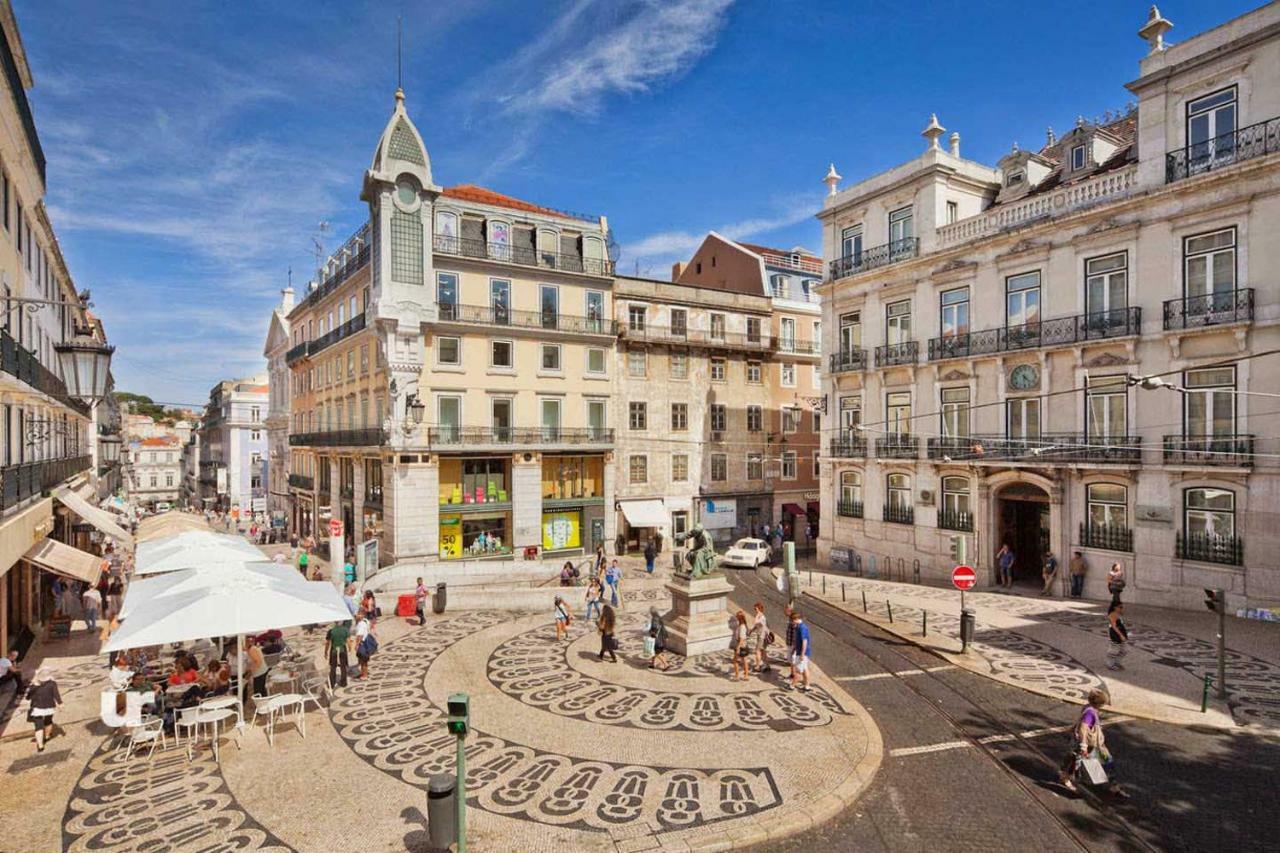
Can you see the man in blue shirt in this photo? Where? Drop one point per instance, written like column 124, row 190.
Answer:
column 611, row 577
column 801, row 652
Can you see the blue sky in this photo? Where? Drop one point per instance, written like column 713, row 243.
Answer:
column 194, row 147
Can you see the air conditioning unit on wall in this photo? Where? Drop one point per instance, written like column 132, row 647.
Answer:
column 926, row 497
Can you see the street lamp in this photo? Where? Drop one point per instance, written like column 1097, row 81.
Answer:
column 416, row 409
column 86, row 365
column 110, row 446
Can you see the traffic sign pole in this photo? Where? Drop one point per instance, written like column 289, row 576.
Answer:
column 963, row 578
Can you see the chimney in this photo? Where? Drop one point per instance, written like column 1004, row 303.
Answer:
column 1050, row 138
column 286, row 300
column 677, row 270
column 955, row 144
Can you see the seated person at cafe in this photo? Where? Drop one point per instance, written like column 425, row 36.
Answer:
column 121, row 674
column 271, row 642
column 216, row 678
column 184, row 673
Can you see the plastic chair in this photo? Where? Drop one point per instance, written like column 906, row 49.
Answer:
column 264, row 707
column 150, row 730
column 110, row 717
column 312, row 689
column 186, row 719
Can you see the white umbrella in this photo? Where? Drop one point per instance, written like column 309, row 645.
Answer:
column 142, row 592
column 243, row 603
column 194, row 551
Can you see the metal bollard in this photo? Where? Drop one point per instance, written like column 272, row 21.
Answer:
column 864, row 601
column 916, row 571
column 888, row 605
column 966, row 629
column 1204, row 697
column 441, row 825
column 824, row 584
column 924, row 623
column 842, row 598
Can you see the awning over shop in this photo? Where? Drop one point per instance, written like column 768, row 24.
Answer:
column 792, row 509
column 815, row 508
column 99, row 518
column 64, row 560
column 645, row 513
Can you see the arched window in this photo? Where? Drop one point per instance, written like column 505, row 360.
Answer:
column 1209, row 527
column 850, row 494
column 1107, row 518
column 956, row 513
column 548, row 248
column 897, row 505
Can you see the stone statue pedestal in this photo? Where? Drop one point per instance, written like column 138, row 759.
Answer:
column 699, row 619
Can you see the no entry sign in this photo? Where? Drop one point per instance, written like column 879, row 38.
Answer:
column 964, row 577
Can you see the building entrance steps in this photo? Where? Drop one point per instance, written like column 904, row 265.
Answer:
column 1059, row 648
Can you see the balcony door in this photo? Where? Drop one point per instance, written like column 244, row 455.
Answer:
column 897, row 323
column 500, row 301
column 596, row 419
column 1022, row 310
column 850, row 334
column 449, row 417
column 1107, row 411
column 550, row 419
column 955, row 412
column 1023, row 419
column 1210, row 271
column 901, row 230
column 549, row 302
column 898, row 413
column 595, row 310
column 1106, row 294
column 501, row 419
column 1209, row 403
column 851, row 245
column 447, row 295
column 1211, row 127
column 787, row 334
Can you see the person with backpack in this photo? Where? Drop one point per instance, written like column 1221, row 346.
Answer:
column 658, row 636
column 607, row 625
column 366, row 643
column 563, row 618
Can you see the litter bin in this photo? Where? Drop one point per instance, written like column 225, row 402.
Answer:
column 441, row 815
column 437, row 600
column 966, row 628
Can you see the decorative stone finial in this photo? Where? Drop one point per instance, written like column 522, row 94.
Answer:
column 1049, row 137
column 1153, row 31
column 932, row 132
column 832, row 179
column 399, row 96
column 955, row 144
column 1079, row 121
column 1015, row 148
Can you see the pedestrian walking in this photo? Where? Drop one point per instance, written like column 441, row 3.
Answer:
column 1077, row 568
column 421, row 598
column 58, row 587
column 607, row 625
column 335, row 649
column 91, row 601
column 1004, row 566
column 594, row 594
column 104, row 592
column 1088, row 748
column 613, row 576
column 761, row 635
column 10, row 671
column 45, row 700
column 1050, row 572
column 114, row 594
column 790, row 638
column 304, row 559
column 802, row 652
column 1119, row 635
column 1115, row 581
column 366, row 642
column 563, row 618
column 658, row 633
column 741, row 646
column 657, row 541
column 650, row 554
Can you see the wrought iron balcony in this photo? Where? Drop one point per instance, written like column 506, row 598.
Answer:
column 343, row 264
column 1108, row 537
column 899, row 514
column 1062, row 331
column 299, row 481
column 338, row 333
column 1210, row 309
column 1234, row 451
column 799, row 347
column 29, row 479
column 340, row 438
column 1256, row 140
column 906, row 352
column 547, row 321
column 950, row 447
column 296, row 354
column 876, row 256
column 523, row 255
column 1058, row 448
column 897, row 446
column 1227, row 550
column 849, row 509
column 949, row 519
column 464, row 437
column 848, row 445
column 848, row 360
column 20, row 363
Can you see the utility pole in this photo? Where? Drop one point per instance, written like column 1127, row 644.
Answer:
column 1216, row 600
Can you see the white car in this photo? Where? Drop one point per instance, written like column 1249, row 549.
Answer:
column 747, row 553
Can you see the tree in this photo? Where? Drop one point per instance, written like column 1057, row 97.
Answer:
column 143, row 405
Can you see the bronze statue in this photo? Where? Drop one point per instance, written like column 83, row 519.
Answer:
column 701, row 554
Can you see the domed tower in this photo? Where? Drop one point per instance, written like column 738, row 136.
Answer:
column 400, row 194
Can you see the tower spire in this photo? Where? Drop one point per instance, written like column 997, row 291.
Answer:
column 400, row 57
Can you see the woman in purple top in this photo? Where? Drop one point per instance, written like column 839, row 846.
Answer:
column 1087, row 739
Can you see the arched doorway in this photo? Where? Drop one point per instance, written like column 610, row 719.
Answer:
column 1023, row 523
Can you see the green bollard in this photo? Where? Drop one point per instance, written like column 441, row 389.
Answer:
column 1204, row 698
column 888, row 605
column 864, row 601
column 924, row 623
column 842, row 598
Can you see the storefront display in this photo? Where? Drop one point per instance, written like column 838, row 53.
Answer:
column 479, row 535
column 561, row 530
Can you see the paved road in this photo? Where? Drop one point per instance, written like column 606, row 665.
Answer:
column 969, row 764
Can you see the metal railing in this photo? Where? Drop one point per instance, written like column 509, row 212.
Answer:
column 1047, row 333
column 848, row 360
column 684, row 336
column 516, row 436
column 899, row 514
column 373, row 496
column 549, row 321
column 800, row 347
column 800, row 263
column 898, row 446
column 876, row 256
column 522, row 255
column 849, row 509
column 1108, row 537
column 1210, row 309
column 300, row 481
column 1227, row 550
column 1059, row 448
column 19, row 94
column 949, row 447
column 328, row 339
column 1230, row 450
column 1256, row 140
column 28, row 479
column 848, row 445
column 344, row 263
column 906, row 352
column 20, row 363
column 950, row 519
column 340, row 438
column 296, row 354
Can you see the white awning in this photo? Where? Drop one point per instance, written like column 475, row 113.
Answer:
column 66, row 561
column 645, row 513
column 99, row 518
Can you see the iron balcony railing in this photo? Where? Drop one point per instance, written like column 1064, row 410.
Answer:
column 951, row 519
column 848, row 360
column 949, row 447
column 876, row 256
column 299, row 481
column 849, row 509
column 296, row 354
column 1231, row 450
column 1206, row 548
column 684, row 336
column 340, row 438
column 906, row 352
column 19, row 94
column 899, row 514
column 1210, row 309
column 550, row 321
column 373, row 496
column 342, row 331
column 848, row 445
column 517, row 436
column 897, row 446
column 346, row 492
column 20, row 363
column 522, row 255
column 1058, row 448
column 28, row 479
column 1047, row 333
column 799, row 347
column 1108, row 537
column 1256, row 140
column 343, row 264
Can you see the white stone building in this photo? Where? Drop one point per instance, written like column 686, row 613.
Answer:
column 279, row 505
column 986, row 328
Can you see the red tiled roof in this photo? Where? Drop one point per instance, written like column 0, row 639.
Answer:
column 483, row 195
column 160, row 441
column 1124, row 130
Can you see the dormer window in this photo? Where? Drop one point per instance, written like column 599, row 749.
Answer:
column 1015, row 178
column 1077, row 157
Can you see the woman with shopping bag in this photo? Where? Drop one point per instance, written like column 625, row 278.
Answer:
column 1088, row 753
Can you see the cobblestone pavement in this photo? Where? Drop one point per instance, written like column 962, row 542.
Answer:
column 1059, row 647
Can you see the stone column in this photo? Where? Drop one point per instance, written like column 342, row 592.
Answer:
column 526, row 501
column 357, row 498
column 411, row 510
column 610, row 514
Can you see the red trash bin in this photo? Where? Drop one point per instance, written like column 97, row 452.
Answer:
column 407, row 605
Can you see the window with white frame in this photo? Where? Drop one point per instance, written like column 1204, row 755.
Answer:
column 1211, row 126
column 850, row 491
column 1107, row 506
column 597, row 419
column 1106, row 289
column 1022, row 299
column 897, row 407
column 1077, row 157
column 719, row 417
column 954, row 305
column 754, row 373
column 719, row 467
column 447, row 295
column 679, row 322
column 788, row 464
column 500, row 354
column 638, row 415
column 551, row 357
column 897, row 322
column 955, row 504
column 595, row 360
column 955, row 412
column 448, row 351
column 1209, row 404
column 787, row 371
column 1209, row 262
column 753, row 330
column 679, row 365
column 787, row 334
column 717, row 327
column 719, row 369
column 790, row 419
column 1106, row 407
column 637, row 362
column 679, row 417
column 1023, row 419
column 635, row 317
column 1209, row 514
column 953, row 212
column 901, row 227
column 679, row 467
column 638, row 468
column 898, row 491
column 850, row 334
column 755, row 419
column 851, row 243
column 755, row 466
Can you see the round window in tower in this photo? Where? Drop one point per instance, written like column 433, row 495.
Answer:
column 407, row 192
